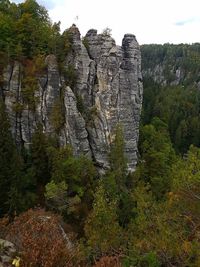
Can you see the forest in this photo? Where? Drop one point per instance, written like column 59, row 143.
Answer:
column 58, row 210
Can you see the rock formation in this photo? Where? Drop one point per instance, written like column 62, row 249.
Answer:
column 7, row 253
column 107, row 91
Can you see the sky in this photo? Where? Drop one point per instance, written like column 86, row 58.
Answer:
column 152, row 21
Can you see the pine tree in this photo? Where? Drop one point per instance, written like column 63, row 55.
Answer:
column 102, row 228
column 40, row 161
column 10, row 163
column 116, row 182
column 118, row 160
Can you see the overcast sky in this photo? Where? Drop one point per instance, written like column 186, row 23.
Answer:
column 152, row 21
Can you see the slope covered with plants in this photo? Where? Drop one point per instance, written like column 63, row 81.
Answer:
column 171, row 90
column 57, row 209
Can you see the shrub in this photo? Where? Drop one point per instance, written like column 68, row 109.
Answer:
column 41, row 240
column 108, row 261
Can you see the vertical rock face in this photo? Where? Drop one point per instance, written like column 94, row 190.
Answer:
column 75, row 128
column 107, row 91
column 109, row 80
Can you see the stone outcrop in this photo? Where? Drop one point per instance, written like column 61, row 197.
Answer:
column 107, row 91
column 7, row 253
column 158, row 74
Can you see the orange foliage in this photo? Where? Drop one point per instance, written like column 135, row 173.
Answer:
column 40, row 240
column 108, row 261
column 3, row 227
column 34, row 67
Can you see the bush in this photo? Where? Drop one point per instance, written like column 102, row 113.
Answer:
column 108, row 261
column 39, row 237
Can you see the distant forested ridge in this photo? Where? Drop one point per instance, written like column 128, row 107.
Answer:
column 171, row 76
column 56, row 207
column 171, row 64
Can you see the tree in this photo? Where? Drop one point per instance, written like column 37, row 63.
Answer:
column 102, row 229
column 41, row 240
column 9, row 161
column 118, row 162
column 157, row 156
column 37, row 11
column 70, row 191
column 117, row 180
column 186, row 182
column 107, row 32
column 167, row 231
column 56, row 196
column 40, row 167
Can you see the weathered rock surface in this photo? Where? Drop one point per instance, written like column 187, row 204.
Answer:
column 7, row 253
column 158, row 74
column 108, row 85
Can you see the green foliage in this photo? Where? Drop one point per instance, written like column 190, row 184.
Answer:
column 7, row 160
column 15, row 184
column 176, row 105
column 57, row 156
column 40, row 161
column 88, row 113
column 57, row 116
column 6, row 31
column 33, row 28
column 118, row 162
column 165, row 233
column 29, row 85
column 22, row 195
column 67, row 37
column 56, row 196
column 117, row 181
column 63, row 45
column 172, row 57
column 102, row 229
column 151, row 217
column 186, row 182
column 80, row 104
column 178, row 108
column 25, row 30
column 150, row 260
column 18, row 108
column 70, row 76
column 78, row 174
column 157, row 157
column 39, row 152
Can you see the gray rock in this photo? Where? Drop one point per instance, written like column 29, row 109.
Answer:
column 108, row 82
column 115, row 93
column 74, row 128
column 7, row 252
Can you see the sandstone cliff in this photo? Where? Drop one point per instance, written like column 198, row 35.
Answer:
column 107, row 91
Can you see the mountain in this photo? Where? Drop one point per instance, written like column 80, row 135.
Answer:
column 82, row 99
column 69, row 109
column 171, row 64
column 171, row 75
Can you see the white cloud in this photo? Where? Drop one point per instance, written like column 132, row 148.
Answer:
column 152, row 21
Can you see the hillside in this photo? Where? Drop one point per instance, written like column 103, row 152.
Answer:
column 171, row 75
column 86, row 178
column 78, row 90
